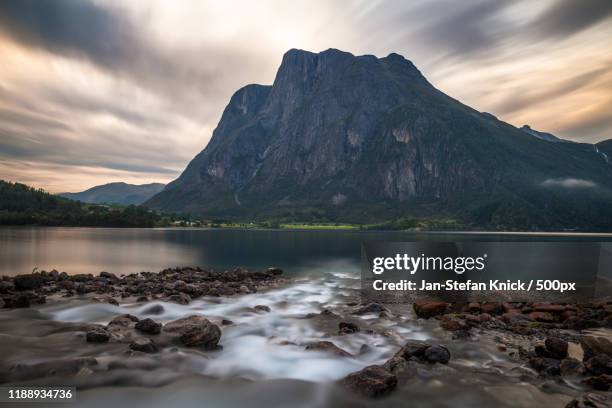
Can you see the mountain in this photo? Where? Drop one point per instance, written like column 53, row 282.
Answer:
column 364, row 139
column 117, row 193
column 24, row 205
column 549, row 137
column 604, row 148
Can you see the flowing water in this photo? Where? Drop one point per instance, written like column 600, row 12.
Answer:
column 263, row 361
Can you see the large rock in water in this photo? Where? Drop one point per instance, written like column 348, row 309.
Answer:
column 195, row 331
column 429, row 308
column 361, row 138
column 372, row 381
column 27, row 282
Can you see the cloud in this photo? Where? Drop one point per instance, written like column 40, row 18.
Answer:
column 79, row 28
column 107, row 37
column 135, row 88
column 570, row 183
column 568, row 17
column 473, row 27
column 557, row 88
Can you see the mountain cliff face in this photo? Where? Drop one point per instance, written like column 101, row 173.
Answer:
column 117, row 193
column 350, row 138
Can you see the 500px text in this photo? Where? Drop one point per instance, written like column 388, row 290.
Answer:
column 468, row 285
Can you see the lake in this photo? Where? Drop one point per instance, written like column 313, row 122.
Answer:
column 264, row 360
column 123, row 251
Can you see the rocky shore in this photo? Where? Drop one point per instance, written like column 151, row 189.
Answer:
column 179, row 285
column 563, row 350
column 551, row 339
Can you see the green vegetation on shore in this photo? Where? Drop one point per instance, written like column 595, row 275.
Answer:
column 24, row 205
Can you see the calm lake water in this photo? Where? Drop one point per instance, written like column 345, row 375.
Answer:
column 91, row 250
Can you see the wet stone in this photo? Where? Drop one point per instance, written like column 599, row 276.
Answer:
column 372, row 381
column 556, row 347
column 571, row 367
column 437, row 354
column 347, row 328
column 148, row 326
column 328, row 347
column 97, row 335
column 262, row 309
column 144, row 345
column 156, row 309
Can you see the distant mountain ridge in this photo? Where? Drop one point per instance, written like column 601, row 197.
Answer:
column 24, row 205
column 117, row 193
column 362, row 139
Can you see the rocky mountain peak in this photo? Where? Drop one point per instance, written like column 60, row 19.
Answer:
column 345, row 136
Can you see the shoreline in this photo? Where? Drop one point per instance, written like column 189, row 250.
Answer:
column 377, row 351
column 356, row 229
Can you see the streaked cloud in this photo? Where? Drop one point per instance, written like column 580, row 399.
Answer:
column 109, row 90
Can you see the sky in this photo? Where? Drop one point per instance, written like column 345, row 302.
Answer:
column 93, row 92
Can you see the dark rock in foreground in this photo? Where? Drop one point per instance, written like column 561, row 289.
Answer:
column 97, row 335
column 347, row 328
column 195, row 331
column 149, row 326
column 430, row 308
column 262, row 308
column 144, row 345
column 373, row 381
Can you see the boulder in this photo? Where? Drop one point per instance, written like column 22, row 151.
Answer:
column 262, row 308
column 571, row 367
column 452, row 324
column 413, row 348
column 328, row 347
column 371, row 308
column 599, row 364
column 82, row 277
column 545, row 365
column 124, row 320
column 110, row 276
column 347, row 328
column 593, row 346
column 206, row 336
column 27, row 282
column 373, row 381
column 195, row 331
column 492, row 308
column 155, row 309
column 144, row 345
column 148, row 326
column 97, row 335
column 180, row 298
column 429, row 308
column 556, row 347
column 437, row 354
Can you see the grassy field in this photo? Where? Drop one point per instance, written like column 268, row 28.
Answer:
column 320, row 226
